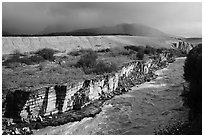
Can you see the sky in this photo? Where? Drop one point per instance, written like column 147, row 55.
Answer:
column 180, row 19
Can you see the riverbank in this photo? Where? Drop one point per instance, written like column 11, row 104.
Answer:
column 142, row 110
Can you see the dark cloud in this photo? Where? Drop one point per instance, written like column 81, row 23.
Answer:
column 176, row 18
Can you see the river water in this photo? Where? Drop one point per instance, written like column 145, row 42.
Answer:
column 146, row 107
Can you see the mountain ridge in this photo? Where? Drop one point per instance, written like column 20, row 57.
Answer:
column 125, row 28
column 120, row 29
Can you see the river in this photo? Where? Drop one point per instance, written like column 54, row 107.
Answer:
column 146, row 107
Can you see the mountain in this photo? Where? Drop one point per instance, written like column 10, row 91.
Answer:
column 121, row 29
column 54, row 28
column 6, row 33
column 126, row 29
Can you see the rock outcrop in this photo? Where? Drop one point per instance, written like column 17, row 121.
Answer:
column 183, row 46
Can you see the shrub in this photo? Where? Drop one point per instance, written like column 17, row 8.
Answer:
column 193, row 75
column 12, row 65
column 120, row 51
column 149, row 50
column 36, row 59
column 88, row 59
column 46, row 53
column 104, row 50
column 89, row 64
column 134, row 48
column 102, row 67
column 25, row 60
column 13, row 59
column 16, row 59
column 159, row 50
column 140, row 54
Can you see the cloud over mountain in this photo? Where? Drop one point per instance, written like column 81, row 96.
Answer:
column 32, row 18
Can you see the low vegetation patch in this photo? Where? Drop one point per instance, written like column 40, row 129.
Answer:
column 46, row 53
column 150, row 50
column 89, row 63
column 31, row 69
column 140, row 55
column 81, row 52
column 134, row 48
column 88, row 59
column 18, row 58
column 104, row 50
column 103, row 67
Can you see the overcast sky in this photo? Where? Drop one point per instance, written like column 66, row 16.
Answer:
column 181, row 19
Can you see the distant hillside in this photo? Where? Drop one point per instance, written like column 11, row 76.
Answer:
column 121, row 29
column 70, row 43
column 54, row 28
column 125, row 29
column 8, row 34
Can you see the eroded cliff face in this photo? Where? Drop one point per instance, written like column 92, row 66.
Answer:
column 52, row 99
column 183, row 46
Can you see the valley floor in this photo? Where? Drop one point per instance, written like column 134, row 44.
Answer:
column 144, row 109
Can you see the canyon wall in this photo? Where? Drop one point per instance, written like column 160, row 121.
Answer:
column 184, row 46
column 52, row 99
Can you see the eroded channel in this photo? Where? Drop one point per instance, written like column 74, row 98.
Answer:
column 142, row 110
